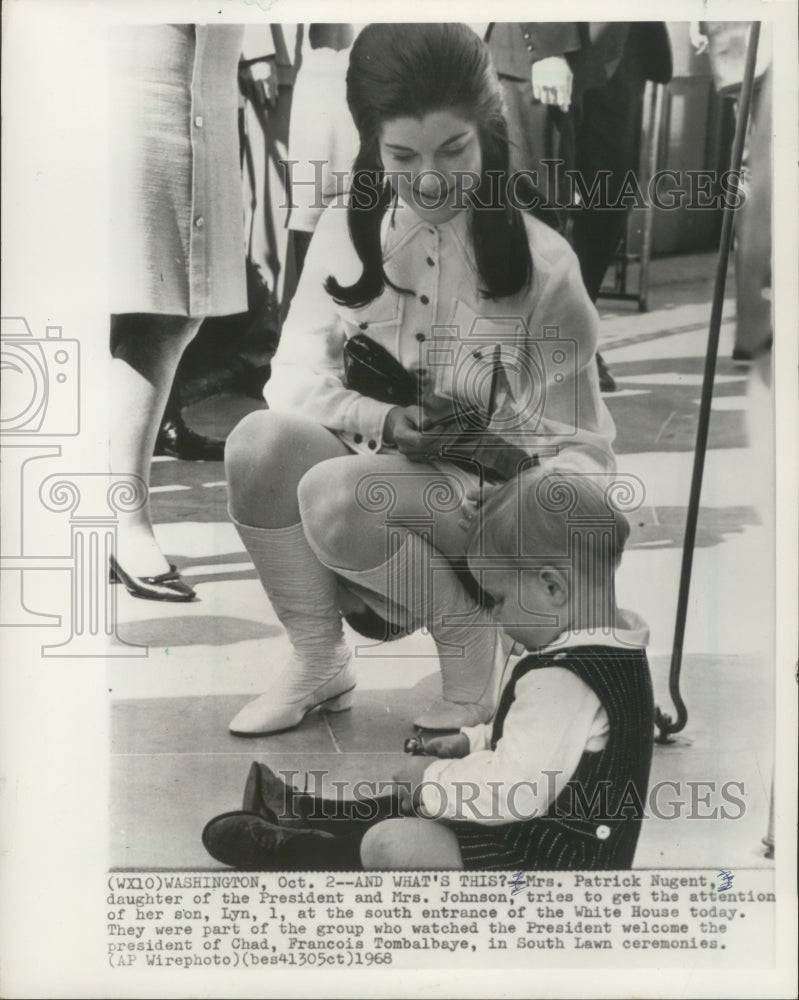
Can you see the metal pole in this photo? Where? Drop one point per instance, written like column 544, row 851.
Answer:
column 655, row 116
column 663, row 721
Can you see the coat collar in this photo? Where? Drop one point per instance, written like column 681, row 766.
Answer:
column 401, row 225
column 631, row 630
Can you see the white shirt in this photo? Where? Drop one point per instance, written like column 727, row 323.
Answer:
column 555, row 717
column 547, row 335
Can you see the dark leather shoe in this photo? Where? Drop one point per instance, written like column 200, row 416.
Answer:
column 271, row 798
column 607, row 383
column 246, row 841
column 179, row 441
column 169, row 586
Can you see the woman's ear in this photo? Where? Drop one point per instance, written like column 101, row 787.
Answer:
column 556, row 584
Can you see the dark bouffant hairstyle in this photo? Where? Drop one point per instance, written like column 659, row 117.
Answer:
column 408, row 71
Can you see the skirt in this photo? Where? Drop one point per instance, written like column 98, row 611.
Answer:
column 177, row 219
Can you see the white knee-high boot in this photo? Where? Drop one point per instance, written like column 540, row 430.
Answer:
column 303, row 593
column 472, row 648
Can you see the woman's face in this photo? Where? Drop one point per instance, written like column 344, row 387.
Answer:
column 433, row 162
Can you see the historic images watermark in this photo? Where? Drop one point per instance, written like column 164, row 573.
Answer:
column 555, row 187
column 665, row 800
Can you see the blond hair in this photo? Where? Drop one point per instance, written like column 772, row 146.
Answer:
column 558, row 515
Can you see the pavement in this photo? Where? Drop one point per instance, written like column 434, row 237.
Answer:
column 175, row 765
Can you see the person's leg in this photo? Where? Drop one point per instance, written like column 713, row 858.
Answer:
column 608, row 126
column 274, row 797
column 145, row 353
column 374, row 492
column 531, row 135
column 246, row 841
column 176, row 439
column 410, row 844
column 391, row 527
column 302, row 241
column 266, row 456
column 753, row 328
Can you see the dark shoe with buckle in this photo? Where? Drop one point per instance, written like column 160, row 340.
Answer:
column 169, row 586
column 246, row 841
column 271, row 798
column 607, row 383
column 179, row 441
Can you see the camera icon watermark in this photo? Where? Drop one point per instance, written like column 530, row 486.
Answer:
column 490, row 371
column 40, row 401
column 41, row 381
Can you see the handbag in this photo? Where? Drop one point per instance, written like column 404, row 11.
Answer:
column 373, row 371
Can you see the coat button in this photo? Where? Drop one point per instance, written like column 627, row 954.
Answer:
column 372, row 444
column 357, row 438
column 529, row 47
column 431, row 262
column 424, row 300
column 363, row 326
column 420, row 336
column 198, row 121
column 603, row 832
column 199, row 222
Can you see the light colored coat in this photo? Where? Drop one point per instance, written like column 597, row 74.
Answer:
column 547, row 334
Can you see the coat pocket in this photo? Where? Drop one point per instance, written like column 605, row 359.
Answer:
column 380, row 319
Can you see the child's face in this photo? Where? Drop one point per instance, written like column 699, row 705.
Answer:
column 530, row 604
column 433, row 162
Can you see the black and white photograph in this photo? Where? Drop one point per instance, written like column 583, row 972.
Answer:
column 399, row 550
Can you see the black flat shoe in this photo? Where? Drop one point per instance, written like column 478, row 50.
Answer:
column 179, row 441
column 169, row 586
column 270, row 797
column 246, row 841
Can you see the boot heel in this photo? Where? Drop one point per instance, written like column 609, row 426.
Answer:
column 341, row 702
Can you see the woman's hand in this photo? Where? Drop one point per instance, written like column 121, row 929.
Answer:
column 404, row 427
column 552, row 81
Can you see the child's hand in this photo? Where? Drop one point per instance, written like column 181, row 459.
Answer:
column 473, row 501
column 456, row 745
